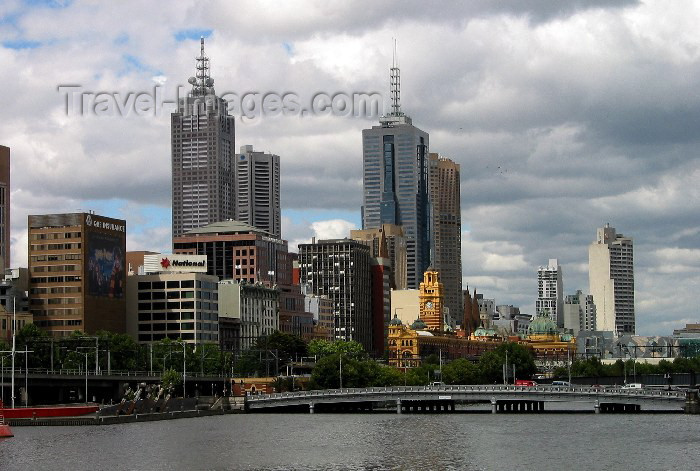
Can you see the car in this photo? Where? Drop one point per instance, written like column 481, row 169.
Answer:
column 566, row 384
column 525, row 382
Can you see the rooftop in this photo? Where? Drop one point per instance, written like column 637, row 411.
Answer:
column 227, row 227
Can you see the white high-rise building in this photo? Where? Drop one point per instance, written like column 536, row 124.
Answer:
column 611, row 278
column 550, row 293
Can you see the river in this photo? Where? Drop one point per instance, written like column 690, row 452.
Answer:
column 375, row 441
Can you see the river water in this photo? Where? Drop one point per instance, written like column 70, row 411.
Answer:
column 375, row 441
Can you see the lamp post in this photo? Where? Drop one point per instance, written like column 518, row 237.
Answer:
column 341, row 370
column 184, row 368
column 14, row 346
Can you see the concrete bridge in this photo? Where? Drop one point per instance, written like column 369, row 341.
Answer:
column 444, row 397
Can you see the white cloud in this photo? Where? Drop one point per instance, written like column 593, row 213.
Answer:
column 563, row 118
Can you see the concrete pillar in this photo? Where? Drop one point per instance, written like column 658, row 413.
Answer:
column 597, row 407
column 398, row 406
column 311, row 407
column 494, row 406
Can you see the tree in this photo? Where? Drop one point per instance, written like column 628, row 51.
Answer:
column 170, row 379
column 349, row 348
column 285, row 345
column 461, row 371
column 491, row 363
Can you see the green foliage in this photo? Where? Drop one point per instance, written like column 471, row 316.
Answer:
column 349, row 349
column 491, row 363
column 461, row 371
column 592, row 367
column 170, row 379
column 286, row 346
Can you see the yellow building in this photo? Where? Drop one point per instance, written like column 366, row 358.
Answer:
column 430, row 301
column 546, row 341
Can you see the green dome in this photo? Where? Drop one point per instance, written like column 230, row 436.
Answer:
column 395, row 321
column 542, row 325
column 484, row 332
column 418, row 324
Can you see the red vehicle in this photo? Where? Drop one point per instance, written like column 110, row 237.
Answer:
column 525, row 382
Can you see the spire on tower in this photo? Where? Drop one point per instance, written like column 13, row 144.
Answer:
column 395, row 116
column 395, row 86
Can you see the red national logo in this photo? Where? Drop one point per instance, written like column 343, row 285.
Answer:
column 165, row 263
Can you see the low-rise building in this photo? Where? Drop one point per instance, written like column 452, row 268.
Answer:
column 174, row 305
column 252, row 308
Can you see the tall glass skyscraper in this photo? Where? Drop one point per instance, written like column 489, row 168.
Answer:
column 202, row 155
column 395, row 182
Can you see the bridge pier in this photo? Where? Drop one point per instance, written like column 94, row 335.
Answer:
column 692, row 402
column 311, row 407
column 494, row 406
column 597, row 407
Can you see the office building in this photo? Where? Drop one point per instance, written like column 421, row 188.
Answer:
column 175, row 304
column 579, row 312
column 321, row 309
column 340, row 270
column 249, row 310
column 395, row 182
column 387, row 241
column 240, row 252
column 203, row 152
column 257, row 182
column 446, row 243
column 550, row 294
column 77, row 273
column 294, row 319
column 611, row 278
column 4, row 208
column 405, row 305
column 381, row 303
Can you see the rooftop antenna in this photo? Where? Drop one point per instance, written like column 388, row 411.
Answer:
column 202, row 83
column 395, row 85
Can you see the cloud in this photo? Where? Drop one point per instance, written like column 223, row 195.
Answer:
column 563, row 115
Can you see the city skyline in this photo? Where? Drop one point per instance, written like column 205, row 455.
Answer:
column 556, row 135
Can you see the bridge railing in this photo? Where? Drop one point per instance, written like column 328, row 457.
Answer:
column 495, row 389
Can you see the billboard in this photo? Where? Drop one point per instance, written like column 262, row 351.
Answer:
column 105, row 269
column 172, row 263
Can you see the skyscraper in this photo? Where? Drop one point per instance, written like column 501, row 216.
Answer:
column 202, row 155
column 4, row 209
column 611, row 278
column 340, row 270
column 258, row 190
column 388, row 242
column 446, row 231
column 395, row 181
column 550, row 294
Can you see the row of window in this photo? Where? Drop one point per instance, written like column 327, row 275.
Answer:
column 56, row 235
column 56, row 258
column 176, row 316
column 37, row 247
column 184, row 336
column 176, row 326
column 161, row 306
column 56, row 279
column 59, row 323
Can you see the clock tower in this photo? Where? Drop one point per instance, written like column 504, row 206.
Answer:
column 430, row 300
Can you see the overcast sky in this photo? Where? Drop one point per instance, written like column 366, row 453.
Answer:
column 562, row 116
